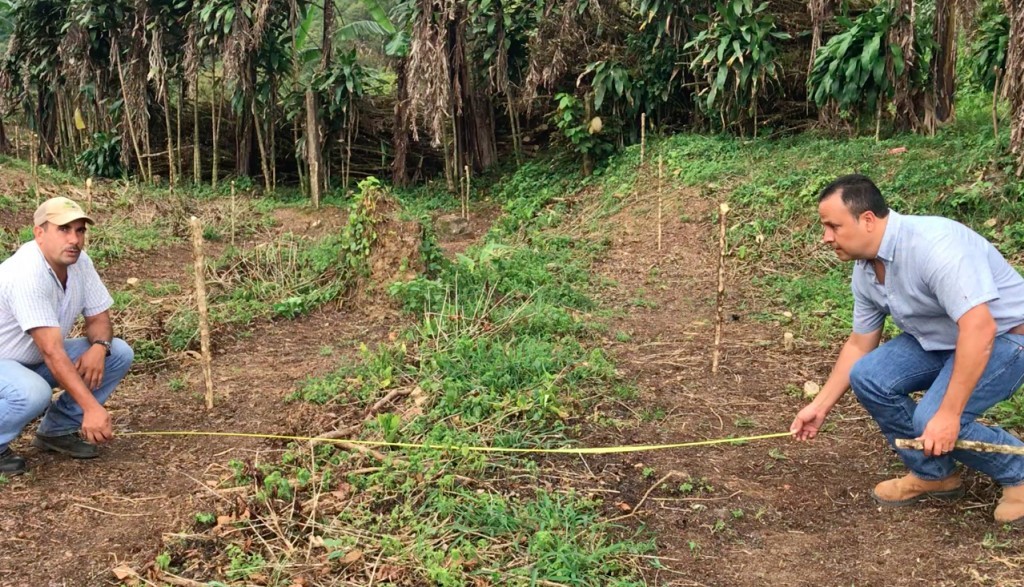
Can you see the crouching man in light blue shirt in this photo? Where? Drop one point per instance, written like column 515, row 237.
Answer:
column 44, row 287
column 961, row 308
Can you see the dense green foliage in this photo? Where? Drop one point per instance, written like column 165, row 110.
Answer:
column 991, row 40
column 736, row 60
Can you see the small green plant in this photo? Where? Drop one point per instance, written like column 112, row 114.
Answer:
column 648, row 472
column 177, row 384
column 694, row 547
column 243, row 565
column 163, row 561
column 205, row 518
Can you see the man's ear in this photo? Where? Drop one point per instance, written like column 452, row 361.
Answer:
column 37, row 231
column 868, row 219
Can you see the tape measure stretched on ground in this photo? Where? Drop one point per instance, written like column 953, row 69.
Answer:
column 603, row 450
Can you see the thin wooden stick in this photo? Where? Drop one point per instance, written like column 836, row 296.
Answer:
column 643, row 136
column 661, row 177
column 911, row 444
column 33, row 164
column 88, row 207
column 233, row 210
column 465, row 197
column 723, row 209
column 995, row 105
column 204, row 323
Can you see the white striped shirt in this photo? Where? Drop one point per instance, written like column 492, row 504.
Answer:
column 31, row 296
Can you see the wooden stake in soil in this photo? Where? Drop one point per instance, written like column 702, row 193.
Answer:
column 661, row 177
column 88, row 208
column 33, row 162
column 723, row 209
column 974, row 445
column 465, row 194
column 995, row 106
column 232, row 212
column 643, row 136
column 204, row 323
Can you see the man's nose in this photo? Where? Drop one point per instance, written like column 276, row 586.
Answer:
column 828, row 236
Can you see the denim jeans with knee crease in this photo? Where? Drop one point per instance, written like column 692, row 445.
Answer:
column 884, row 379
column 26, row 391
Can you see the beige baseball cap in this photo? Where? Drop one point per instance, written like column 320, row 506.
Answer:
column 60, row 211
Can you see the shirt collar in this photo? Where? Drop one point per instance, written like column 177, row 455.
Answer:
column 887, row 248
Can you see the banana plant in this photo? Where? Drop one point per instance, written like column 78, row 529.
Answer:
column 736, row 60
column 990, row 45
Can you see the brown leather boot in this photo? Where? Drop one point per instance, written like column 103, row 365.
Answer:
column 911, row 489
column 1011, row 506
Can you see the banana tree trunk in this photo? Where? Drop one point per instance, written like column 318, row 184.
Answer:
column 902, row 34
column 400, row 128
column 944, row 59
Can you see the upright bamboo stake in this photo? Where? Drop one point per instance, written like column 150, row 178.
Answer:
column 313, row 148
column 197, row 162
column 723, row 209
column 465, row 194
column 172, row 170
column 179, row 102
column 32, row 163
column 643, row 136
column 232, row 213
column 878, row 122
column 661, row 179
column 204, row 323
column 215, row 113
column 995, row 106
column 88, row 207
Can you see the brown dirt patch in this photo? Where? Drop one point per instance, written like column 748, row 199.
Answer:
column 69, row 522
column 768, row 512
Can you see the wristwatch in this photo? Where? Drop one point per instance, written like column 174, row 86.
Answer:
column 105, row 343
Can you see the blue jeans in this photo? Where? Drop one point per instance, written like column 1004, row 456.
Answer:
column 884, row 379
column 26, row 391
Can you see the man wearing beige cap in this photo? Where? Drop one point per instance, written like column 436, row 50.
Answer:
column 44, row 287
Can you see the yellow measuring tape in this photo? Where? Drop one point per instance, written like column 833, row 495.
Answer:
column 460, row 448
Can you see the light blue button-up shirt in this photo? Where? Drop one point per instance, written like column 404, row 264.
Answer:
column 936, row 270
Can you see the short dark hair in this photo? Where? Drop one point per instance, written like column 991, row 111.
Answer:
column 859, row 194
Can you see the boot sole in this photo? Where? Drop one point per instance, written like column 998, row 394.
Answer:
column 948, row 495
column 43, row 445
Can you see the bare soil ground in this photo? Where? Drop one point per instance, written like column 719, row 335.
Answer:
column 767, row 512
